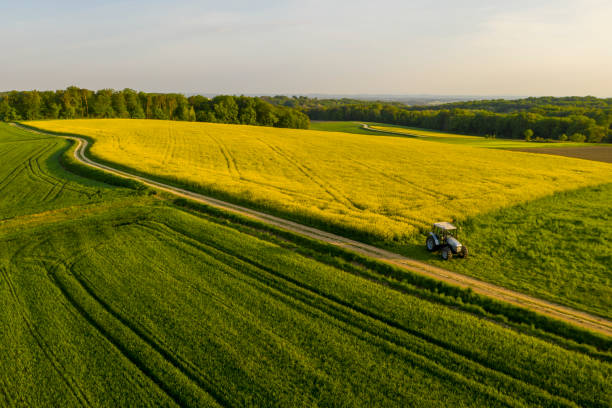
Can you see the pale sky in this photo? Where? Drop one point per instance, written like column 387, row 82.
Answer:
column 518, row 47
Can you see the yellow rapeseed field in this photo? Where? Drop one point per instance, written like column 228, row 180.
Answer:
column 386, row 186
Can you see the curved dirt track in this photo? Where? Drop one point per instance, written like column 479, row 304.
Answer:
column 389, row 132
column 569, row 315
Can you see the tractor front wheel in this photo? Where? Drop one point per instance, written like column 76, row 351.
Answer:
column 464, row 251
column 430, row 244
column 447, row 253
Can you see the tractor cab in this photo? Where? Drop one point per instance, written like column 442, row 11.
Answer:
column 444, row 229
column 444, row 237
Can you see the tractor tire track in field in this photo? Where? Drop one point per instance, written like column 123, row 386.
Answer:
column 44, row 346
column 36, row 170
column 169, row 150
column 564, row 313
column 191, row 369
column 283, row 190
column 112, row 339
column 397, row 178
column 5, row 394
column 52, row 266
column 12, row 176
column 31, row 164
column 185, row 367
column 25, row 140
column 232, row 166
column 341, row 309
column 309, row 174
column 130, row 351
column 8, row 179
column 300, row 170
column 59, row 192
column 309, row 305
column 11, row 148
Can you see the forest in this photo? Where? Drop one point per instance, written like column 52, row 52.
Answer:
column 577, row 119
column 75, row 103
column 541, row 119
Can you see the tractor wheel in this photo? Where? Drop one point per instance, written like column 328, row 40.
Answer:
column 447, row 253
column 464, row 251
column 430, row 244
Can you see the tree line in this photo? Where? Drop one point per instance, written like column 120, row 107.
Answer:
column 74, row 102
column 572, row 118
column 544, row 103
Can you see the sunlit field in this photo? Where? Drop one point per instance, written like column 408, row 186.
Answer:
column 475, row 141
column 438, row 136
column 110, row 297
column 385, row 187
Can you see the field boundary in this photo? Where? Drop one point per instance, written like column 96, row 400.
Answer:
column 563, row 313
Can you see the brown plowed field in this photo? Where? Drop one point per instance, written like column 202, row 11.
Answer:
column 596, row 153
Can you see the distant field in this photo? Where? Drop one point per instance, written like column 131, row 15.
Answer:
column 339, row 126
column 128, row 300
column 438, row 136
column 598, row 153
column 589, row 151
column 475, row 141
column 388, row 188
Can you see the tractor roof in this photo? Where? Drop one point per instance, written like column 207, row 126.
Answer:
column 445, row 225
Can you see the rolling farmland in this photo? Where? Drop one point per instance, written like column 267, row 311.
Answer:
column 427, row 135
column 335, row 180
column 221, row 318
column 139, row 302
column 383, row 187
column 178, row 230
column 28, row 168
column 467, row 140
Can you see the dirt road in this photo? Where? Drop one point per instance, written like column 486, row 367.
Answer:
column 389, row 132
column 579, row 318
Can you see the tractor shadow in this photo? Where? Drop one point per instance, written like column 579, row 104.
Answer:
column 416, row 249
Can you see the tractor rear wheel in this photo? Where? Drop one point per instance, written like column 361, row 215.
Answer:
column 447, row 253
column 464, row 251
column 430, row 244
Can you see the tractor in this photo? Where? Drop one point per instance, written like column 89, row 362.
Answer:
column 444, row 238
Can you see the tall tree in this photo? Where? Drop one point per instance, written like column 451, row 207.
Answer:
column 119, row 105
column 103, row 105
column 225, row 108
column 133, row 104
